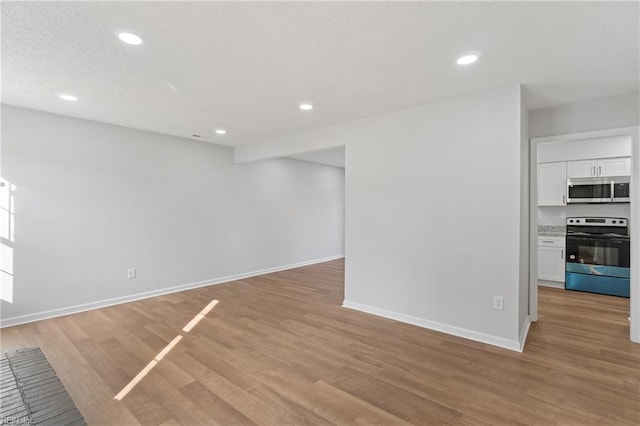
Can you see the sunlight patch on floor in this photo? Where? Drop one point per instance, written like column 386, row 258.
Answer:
column 187, row 328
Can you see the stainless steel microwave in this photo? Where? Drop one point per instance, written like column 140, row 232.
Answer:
column 598, row 190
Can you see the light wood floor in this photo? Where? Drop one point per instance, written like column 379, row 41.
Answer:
column 278, row 349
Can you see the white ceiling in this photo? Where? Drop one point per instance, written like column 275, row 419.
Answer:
column 246, row 66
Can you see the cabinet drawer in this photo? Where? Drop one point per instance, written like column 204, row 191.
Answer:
column 551, row 242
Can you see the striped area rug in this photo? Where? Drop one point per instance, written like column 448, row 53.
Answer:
column 32, row 393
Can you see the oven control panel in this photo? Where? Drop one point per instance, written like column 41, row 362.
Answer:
column 597, row 221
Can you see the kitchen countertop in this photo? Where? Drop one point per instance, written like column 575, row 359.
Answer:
column 552, row 230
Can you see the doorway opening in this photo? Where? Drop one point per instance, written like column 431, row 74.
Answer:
column 547, row 156
column 335, row 158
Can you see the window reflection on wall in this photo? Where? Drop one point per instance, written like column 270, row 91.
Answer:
column 7, row 238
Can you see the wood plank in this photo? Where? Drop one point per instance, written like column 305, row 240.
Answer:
column 279, row 349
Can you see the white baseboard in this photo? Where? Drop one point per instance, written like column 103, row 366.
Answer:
column 513, row 345
column 38, row 316
column 524, row 333
column 552, row 284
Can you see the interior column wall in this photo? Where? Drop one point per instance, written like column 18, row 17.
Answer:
column 434, row 215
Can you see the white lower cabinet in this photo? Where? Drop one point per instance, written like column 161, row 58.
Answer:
column 551, row 259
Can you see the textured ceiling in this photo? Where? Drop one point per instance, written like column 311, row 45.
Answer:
column 246, row 66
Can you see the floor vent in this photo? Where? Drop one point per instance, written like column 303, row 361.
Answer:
column 32, row 393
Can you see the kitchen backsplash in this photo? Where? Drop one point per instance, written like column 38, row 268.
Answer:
column 552, row 229
column 556, row 216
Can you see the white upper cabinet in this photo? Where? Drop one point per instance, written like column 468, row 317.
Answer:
column 614, row 167
column 552, row 184
column 604, row 167
column 582, row 169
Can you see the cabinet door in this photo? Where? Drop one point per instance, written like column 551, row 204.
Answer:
column 614, row 167
column 551, row 265
column 552, row 184
column 582, row 169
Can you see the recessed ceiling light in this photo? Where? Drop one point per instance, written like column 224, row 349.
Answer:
column 67, row 97
column 306, row 107
column 130, row 38
column 221, row 131
column 467, row 59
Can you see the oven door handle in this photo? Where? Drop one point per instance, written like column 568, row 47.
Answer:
column 605, row 240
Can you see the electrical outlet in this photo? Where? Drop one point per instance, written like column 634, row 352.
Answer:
column 301, row 247
column 498, row 303
column 131, row 273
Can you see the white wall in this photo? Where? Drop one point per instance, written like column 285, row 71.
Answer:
column 424, row 243
column 524, row 320
column 329, row 157
column 607, row 113
column 634, row 231
column 95, row 199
